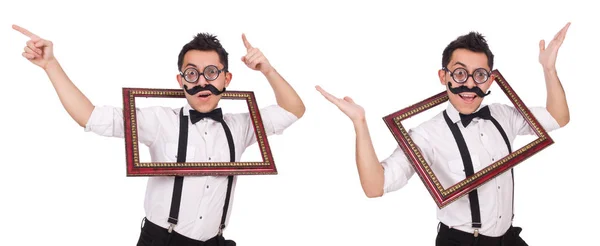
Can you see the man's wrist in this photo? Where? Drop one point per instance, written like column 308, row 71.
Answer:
column 550, row 70
column 51, row 65
column 270, row 72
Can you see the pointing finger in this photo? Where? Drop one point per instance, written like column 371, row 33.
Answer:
column 24, row 31
column 246, row 43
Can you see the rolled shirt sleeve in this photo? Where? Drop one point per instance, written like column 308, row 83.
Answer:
column 398, row 169
column 275, row 120
column 108, row 121
column 519, row 124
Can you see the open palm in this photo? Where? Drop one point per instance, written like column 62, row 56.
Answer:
column 354, row 111
column 548, row 54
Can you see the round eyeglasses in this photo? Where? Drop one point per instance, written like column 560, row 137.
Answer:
column 461, row 75
column 210, row 73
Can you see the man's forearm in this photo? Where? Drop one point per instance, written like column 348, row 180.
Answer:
column 73, row 100
column 370, row 170
column 286, row 96
column 556, row 101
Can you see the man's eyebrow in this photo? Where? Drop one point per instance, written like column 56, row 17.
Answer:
column 191, row 64
column 460, row 63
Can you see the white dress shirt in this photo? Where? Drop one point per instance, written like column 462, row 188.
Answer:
column 486, row 145
column 202, row 197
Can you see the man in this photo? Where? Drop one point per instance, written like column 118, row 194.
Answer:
column 485, row 216
column 183, row 210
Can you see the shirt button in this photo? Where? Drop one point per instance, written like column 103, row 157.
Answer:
column 205, row 133
column 207, row 187
column 200, row 217
column 209, row 158
column 482, row 134
column 500, row 217
column 492, row 159
column 498, row 187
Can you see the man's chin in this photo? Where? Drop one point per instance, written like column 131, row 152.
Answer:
column 468, row 109
column 204, row 108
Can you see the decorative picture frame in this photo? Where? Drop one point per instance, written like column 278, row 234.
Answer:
column 135, row 167
column 444, row 196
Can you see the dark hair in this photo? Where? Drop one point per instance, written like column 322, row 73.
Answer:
column 204, row 42
column 473, row 41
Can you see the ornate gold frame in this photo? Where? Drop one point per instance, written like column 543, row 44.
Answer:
column 442, row 196
column 137, row 168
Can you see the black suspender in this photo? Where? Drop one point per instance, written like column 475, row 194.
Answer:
column 468, row 165
column 181, row 157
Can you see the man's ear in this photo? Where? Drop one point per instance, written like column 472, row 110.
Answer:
column 228, row 77
column 442, row 75
column 178, row 77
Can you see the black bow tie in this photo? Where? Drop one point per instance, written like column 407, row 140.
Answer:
column 483, row 113
column 196, row 116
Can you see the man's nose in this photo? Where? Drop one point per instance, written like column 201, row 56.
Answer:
column 470, row 83
column 202, row 81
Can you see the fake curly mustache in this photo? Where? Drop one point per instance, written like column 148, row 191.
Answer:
column 462, row 88
column 194, row 90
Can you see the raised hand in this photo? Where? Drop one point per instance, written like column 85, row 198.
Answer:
column 37, row 50
column 254, row 58
column 354, row 111
column 548, row 54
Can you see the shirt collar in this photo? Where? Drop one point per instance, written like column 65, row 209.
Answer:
column 186, row 109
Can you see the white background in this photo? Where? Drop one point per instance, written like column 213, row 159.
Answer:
column 61, row 185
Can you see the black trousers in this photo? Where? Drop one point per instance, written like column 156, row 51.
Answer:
column 154, row 235
column 452, row 237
